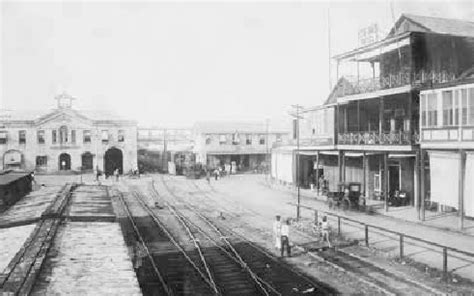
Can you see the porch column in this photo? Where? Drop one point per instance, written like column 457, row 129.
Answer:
column 364, row 179
column 417, row 183
column 462, row 166
column 317, row 172
column 385, row 181
column 339, row 164
column 421, row 213
column 409, row 123
column 381, row 108
column 358, row 116
column 343, row 167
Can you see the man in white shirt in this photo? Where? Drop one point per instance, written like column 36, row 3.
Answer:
column 285, row 238
column 277, row 232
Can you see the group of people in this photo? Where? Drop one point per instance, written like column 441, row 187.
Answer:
column 98, row 173
column 281, row 232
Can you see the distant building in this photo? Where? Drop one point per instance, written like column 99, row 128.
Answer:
column 162, row 147
column 65, row 139
column 245, row 145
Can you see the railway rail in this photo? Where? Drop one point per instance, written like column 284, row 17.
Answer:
column 270, row 275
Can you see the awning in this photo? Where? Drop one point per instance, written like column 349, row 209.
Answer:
column 353, row 154
column 375, row 94
column 392, row 155
column 329, row 152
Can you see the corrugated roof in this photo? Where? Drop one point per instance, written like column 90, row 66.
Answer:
column 215, row 127
column 439, row 25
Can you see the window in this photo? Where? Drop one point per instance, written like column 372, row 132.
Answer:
column 279, row 139
column 235, row 139
column 222, row 139
column 121, row 136
column 314, row 131
column 63, row 134
column 86, row 136
column 3, row 137
column 105, row 136
column 262, row 140
column 41, row 161
column 432, row 110
column 248, row 139
column 40, row 137
column 208, row 140
column 463, row 94
column 448, row 110
column 470, row 101
column 22, row 137
column 73, row 136
column 54, row 136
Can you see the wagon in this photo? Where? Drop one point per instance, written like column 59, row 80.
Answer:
column 347, row 197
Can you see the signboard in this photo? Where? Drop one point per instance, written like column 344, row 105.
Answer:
column 369, row 35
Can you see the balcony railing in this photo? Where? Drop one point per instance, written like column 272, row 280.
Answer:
column 376, row 138
column 395, row 80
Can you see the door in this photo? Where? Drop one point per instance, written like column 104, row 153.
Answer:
column 64, row 162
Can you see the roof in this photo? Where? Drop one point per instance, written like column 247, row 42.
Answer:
column 9, row 177
column 216, row 127
column 408, row 23
column 32, row 115
column 438, row 25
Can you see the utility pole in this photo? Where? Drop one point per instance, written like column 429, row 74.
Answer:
column 297, row 115
column 267, row 158
column 164, row 159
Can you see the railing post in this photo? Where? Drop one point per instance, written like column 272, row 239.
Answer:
column 366, row 235
column 316, row 217
column 338, row 225
column 445, row 263
column 401, row 246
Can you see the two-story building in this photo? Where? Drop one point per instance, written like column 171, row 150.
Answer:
column 447, row 144
column 65, row 139
column 242, row 145
column 378, row 116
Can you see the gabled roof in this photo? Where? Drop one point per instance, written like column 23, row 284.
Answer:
column 429, row 24
column 341, row 85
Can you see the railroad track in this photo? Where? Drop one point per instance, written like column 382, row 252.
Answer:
column 378, row 278
column 168, row 270
column 270, row 275
column 20, row 275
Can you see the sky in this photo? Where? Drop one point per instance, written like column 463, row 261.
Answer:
column 174, row 63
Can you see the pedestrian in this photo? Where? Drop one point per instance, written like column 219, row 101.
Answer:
column 138, row 254
column 285, row 238
column 277, row 231
column 325, row 230
column 216, row 174
column 116, row 174
column 208, row 176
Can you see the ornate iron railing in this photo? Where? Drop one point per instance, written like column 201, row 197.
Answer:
column 421, row 78
column 377, row 138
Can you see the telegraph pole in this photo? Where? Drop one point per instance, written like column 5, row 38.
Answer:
column 297, row 115
column 267, row 158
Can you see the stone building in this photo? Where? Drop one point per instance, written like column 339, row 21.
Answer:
column 245, row 145
column 65, row 139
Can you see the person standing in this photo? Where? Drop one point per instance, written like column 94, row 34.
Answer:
column 116, row 174
column 285, row 238
column 208, row 176
column 325, row 230
column 277, row 232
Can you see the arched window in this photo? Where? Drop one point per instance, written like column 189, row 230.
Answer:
column 63, row 134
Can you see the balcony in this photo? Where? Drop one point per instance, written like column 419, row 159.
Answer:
column 376, row 138
column 368, row 85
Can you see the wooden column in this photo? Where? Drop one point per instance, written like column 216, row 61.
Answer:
column 417, row 178
column 462, row 166
column 358, row 116
column 422, row 186
column 364, row 168
column 317, row 172
column 385, row 181
column 381, row 109
column 343, row 167
column 410, row 108
column 339, row 164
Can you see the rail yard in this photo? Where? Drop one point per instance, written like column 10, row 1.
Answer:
column 191, row 238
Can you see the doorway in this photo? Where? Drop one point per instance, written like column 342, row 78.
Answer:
column 64, row 162
column 87, row 164
column 113, row 159
column 393, row 178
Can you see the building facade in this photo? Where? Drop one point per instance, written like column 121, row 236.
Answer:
column 65, row 139
column 240, row 145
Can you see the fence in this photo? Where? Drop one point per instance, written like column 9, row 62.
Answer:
column 401, row 238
